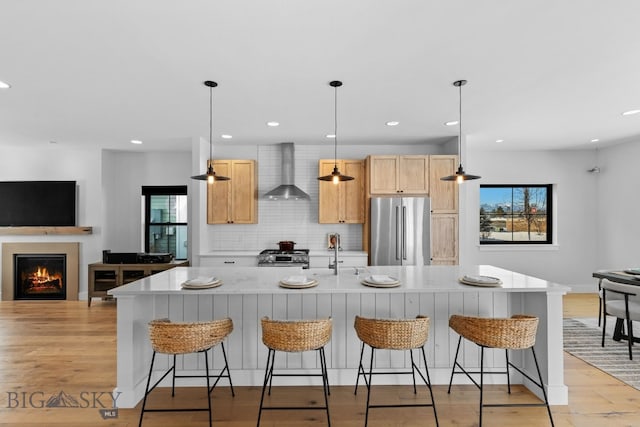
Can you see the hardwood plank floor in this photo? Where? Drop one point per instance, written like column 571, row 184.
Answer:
column 53, row 348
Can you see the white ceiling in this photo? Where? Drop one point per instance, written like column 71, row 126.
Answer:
column 542, row 74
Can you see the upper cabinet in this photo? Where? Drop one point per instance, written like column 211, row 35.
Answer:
column 444, row 194
column 342, row 203
column 404, row 174
column 233, row 201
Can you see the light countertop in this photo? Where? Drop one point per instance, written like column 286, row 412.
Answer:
column 260, row 280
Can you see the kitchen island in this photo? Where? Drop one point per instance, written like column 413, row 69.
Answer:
column 248, row 294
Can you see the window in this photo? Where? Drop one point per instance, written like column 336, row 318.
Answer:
column 165, row 220
column 515, row 214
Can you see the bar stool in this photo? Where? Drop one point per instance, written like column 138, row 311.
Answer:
column 294, row 337
column 394, row 334
column 175, row 338
column 515, row 333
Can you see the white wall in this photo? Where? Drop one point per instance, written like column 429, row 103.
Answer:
column 124, row 174
column 572, row 258
column 618, row 206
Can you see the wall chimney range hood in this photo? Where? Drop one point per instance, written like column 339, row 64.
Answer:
column 287, row 190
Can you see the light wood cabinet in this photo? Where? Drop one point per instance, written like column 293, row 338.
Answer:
column 399, row 174
column 103, row 277
column 233, row 201
column 444, row 239
column 342, row 203
column 443, row 194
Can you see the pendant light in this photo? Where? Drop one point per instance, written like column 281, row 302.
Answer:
column 460, row 175
column 335, row 176
column 210, row 176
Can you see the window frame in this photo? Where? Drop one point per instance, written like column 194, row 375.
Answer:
column 163, row 190
column 549, row 216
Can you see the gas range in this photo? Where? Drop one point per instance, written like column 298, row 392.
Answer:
column 278, row 258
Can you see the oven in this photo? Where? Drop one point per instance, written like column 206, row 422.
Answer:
column 277, row 258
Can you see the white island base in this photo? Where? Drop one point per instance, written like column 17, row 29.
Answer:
column 248, row 294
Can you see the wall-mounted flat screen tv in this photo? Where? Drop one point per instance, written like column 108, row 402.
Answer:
column 37, row 203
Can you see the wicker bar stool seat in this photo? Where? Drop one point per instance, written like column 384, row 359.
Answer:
column 393, row 334
column 178, row 338
column 295, row 336
column 515, row 333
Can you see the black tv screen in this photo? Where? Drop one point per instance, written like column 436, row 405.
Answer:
column 37, row 203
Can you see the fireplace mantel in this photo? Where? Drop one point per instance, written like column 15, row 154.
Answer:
column 36, row 231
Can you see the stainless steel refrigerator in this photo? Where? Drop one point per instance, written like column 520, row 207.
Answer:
column 400, row 231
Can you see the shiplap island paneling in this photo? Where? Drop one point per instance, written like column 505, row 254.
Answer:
column 248, row 294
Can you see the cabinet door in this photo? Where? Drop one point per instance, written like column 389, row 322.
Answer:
column 328, row 195
column 444, row 194
column 352, row 192
column 219, row 195
column 342, row 202
column 413, row 174
column 444, row 239
column 383, row 174
column 243, row 192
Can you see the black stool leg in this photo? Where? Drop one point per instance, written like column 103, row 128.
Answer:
column 413, row 372
column 325, row 376
column 273, row 362
column 544, row 393
column 226, row 366
column 360, row 369
column 146, row 390
column 426, row 369
column 481, row 381
column 455, row 361
column 506, row 352
column 267, row 371
column 173, row 380
column 206, row 366
column 325, row 383
column 366, row 417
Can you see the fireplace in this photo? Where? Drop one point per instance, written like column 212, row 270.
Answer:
column 40, row 271
column 40, row 276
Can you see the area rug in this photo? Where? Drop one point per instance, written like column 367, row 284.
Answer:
column 583, row 339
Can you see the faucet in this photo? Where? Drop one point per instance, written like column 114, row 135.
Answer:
column 335, row 249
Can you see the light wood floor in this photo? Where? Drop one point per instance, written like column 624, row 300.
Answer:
column 49, row 347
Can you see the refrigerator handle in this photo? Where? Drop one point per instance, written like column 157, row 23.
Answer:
column 398, row 233
column 404, row 232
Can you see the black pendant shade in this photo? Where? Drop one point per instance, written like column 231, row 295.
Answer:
column 335, row 176
column 210, row 176
column 460, row 175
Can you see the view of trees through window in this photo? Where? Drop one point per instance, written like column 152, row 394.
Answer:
column 515, row 214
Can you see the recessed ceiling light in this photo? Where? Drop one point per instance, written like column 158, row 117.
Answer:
column 136, row 141
column 630, row 112
column 595, row 140
column 451, row 123
column 393, row 123
column 225, row 136
column 331, row 136
column 4, row 85
column 499, row 140
column 273, row 124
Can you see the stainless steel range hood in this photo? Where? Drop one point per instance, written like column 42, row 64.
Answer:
column 287, row 190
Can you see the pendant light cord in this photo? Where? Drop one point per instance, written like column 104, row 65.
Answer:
column 460, row 123
column 210, row 124
column 335, row 127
